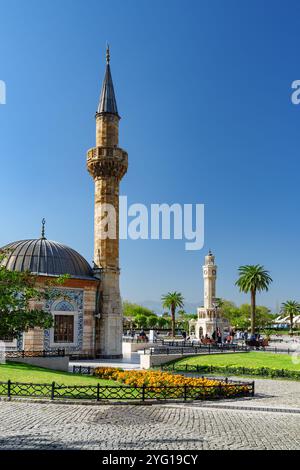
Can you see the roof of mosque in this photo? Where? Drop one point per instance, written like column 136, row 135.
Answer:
column 45, row 257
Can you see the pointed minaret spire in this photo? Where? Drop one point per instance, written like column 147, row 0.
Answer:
column 107, row 103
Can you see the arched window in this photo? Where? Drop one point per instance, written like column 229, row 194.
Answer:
column 63, row 306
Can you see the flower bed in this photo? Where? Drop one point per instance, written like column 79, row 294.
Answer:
column 158, row 384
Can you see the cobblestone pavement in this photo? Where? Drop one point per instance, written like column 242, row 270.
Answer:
column 157, row 427
column 275, row 394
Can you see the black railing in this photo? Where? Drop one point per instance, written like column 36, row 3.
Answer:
column 196, row 349
column 44, row 353
column 180, row 343
column 127, row 339
column 106, row 392
column 274, row 349
column 86, row 370
column 279, row 350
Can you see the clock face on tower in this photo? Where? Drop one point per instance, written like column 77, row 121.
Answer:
column 214, row 271
column 205, row 271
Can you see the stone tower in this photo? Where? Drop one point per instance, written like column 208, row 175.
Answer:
column 209, row 316
column 209, row 276
column 107, row 163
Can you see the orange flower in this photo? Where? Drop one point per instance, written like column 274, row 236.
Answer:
column 150, row 378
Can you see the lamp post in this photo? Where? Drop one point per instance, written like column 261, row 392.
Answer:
column 216, row 306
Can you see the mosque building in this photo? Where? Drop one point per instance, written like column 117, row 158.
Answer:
column 87, row 309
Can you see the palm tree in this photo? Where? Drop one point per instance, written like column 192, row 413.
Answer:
column 172, row 300
column 291, row 308
column 253, row 278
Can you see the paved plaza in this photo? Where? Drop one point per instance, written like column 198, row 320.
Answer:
column 127, row 362
column 234, row 424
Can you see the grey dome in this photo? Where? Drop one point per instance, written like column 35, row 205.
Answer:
column 45, row 257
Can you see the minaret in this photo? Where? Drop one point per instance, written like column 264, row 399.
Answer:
column 209, row 276
column 107, row 163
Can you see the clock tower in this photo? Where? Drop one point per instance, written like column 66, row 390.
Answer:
column 210, row 315
column 209, row 276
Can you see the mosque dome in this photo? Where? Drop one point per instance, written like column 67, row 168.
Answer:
column 45, row 257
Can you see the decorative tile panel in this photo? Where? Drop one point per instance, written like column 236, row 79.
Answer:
column 67, row 300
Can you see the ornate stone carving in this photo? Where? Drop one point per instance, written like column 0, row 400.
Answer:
column 103, row 162
column 67, row 295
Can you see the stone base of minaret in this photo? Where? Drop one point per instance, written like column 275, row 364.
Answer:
column 110, row 324
column 208, row 321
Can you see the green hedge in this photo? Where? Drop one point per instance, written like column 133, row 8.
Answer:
column 233, row 370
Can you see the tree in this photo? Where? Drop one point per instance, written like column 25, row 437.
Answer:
column 162, row 322
column 151, row 321
column 18, row 291
column 264, row 317
column 172, row 300
column 131, row 310
column 219, row 302
column 291, row 308
column 253, row 279
column 238, row 317
column 140, row 321
column 181, row 314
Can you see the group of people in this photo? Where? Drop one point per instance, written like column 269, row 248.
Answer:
column 218, row 338
column 139, row 335
column 244, row 335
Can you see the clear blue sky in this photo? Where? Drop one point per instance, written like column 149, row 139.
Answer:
column 203, row 88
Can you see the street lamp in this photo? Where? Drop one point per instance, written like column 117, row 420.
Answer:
column 216, row 306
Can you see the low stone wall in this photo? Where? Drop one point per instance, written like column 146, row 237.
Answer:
column 54, row 363
column 147, row 360
column 128, row 347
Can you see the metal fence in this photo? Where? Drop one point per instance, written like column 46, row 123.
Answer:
column 129, row 339
column 44, row 353
column 276, row 350
column 196, row 349
column 100, row 392
column 85, row 370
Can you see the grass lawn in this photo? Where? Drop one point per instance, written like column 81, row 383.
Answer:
column 251, row 359
column 25, row 373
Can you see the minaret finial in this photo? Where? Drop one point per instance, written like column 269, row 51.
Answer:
column 107, row 103
column 43, row 229
column 107, row 53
